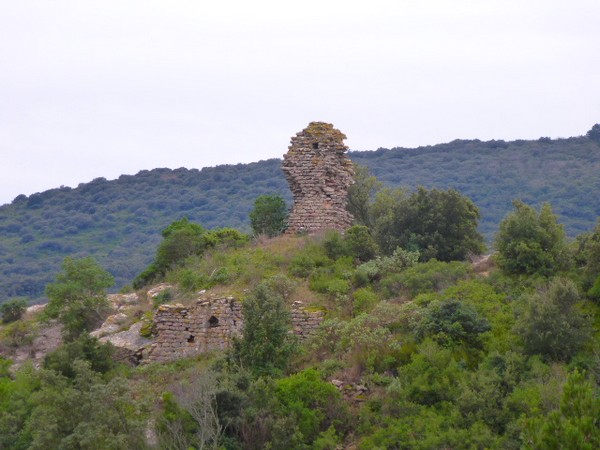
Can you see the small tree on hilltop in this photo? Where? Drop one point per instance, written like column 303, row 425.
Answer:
column 439, row 224
column 78, row 296
column 530, row 243
column 269, row 215
column 594, row 133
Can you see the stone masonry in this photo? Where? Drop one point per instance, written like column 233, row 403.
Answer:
column 319, row 173
column 209, row 325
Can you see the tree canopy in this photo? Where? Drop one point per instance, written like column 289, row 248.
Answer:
column 529, row 242
column 78, row 296
column 439, row 224
column 269, row 215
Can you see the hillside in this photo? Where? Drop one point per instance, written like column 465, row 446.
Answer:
column 119, row 221
column 330, row 351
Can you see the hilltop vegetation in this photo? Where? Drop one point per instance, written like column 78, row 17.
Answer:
column 414, row 353
column 119, row 222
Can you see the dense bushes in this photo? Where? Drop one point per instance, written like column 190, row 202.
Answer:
column 183, row 239
column 439, row 224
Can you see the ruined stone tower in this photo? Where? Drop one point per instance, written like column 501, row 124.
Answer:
column 319, row 174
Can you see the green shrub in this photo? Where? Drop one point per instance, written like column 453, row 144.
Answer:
column 13, row 310
column 19, row 333
column 375, row 269
column 356, row 242
column 85, row 348
column 325, row 283
column 449, row 323
column 426, row 277
column 163, row 297
column 334, row 245
column 308, row 259
column 269, row 215
column 530, row 243
column 550, row 323
column 360, row 243
column 364, row 300
column 573, row 425
column 190, row 280
column 313, row 403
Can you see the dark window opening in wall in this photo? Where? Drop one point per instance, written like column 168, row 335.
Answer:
column 316, row 145
column 191, row 338
column 213, row 322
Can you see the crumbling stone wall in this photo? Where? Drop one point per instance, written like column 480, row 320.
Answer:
column 319, row 173
column 209, row 325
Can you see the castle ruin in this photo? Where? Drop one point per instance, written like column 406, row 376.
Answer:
column 319, row 173
column 211, row 325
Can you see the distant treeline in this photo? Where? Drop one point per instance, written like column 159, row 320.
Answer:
column 119, row 221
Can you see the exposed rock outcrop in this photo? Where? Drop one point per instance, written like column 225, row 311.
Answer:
column 319, row 173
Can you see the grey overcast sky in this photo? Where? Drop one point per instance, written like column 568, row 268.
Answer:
column 103, row 88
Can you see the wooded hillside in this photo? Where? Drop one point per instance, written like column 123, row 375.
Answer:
column 119, row 221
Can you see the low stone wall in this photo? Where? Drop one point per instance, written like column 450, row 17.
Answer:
column 305, row 323
column 210, row 325
column 184, row 331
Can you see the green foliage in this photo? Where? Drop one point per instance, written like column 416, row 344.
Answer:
column 19, row 333
column 594, row 133
column 148, row 328
column 313, row 404
column 334, row 278
column 550, row 324
column 364, row 342
column 42, row 409
column 375, row 269
column 163, row 297
column 574, row 425
column 85, row 348
column 311, row 257
column 491, row 305
column 361, row 194
column 450, row 323
column 432, row 375
column 190, row 418
column 425, row 277
column 78, row 297
column 269, row 215
column 364, row 300
column 360, row 243
column 356, row 242
column 13, row 310
column 531, row 243
column 83, row 413
column 265, row 346
column 183, row 239
column 587, row 257
column 439, row 224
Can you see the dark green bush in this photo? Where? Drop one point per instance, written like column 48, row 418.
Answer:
column 425, row 277
column 13, row 310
